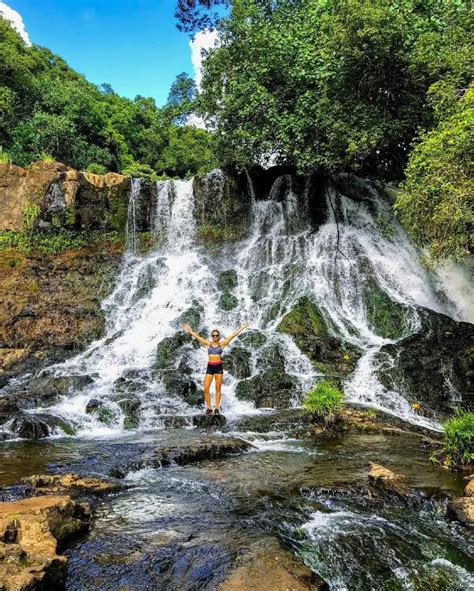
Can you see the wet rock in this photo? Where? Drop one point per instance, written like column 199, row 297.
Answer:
column 31, row 530
column 227, row 280
column 45, row 391
column 387, row 318
column 271, row 388
column 433, row 367
column 253, row 339
column 228, row 301
column 30, row 426
column 192, row 316
column 207, row 448
column 182, row 386
column 310, row 331
column 462, row 509
column 266, row 566
column 105, row 413
column 168, row 349
column 73, row 484
column 383, row 476
column 130, row 407
column 207, row 421
column 8, row 408
column 237, row 362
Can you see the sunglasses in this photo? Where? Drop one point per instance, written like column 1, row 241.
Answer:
column 215, row 334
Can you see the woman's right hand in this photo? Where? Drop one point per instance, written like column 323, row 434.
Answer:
column 186, row 327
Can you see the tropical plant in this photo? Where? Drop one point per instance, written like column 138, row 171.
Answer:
column 324, row 403
column 458, row 440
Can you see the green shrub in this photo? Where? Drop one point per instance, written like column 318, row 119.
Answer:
column 55, row 242
column 5, row 157
column 324, row 403
column 96, row 168
column 45, row 157
column 143, row 171
column 458, row 445
column 29, row 215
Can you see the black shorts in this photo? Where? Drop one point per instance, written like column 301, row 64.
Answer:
column 213, row 369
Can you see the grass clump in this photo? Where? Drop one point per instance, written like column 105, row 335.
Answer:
column 324, row 403
column 458, row 443
column 95, row 168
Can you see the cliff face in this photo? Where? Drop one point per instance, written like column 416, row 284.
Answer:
column 58, row 196
column 50, row 303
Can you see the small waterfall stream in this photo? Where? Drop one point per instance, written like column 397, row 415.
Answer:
column 283, row 258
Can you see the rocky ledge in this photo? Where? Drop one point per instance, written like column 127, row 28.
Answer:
column 32, row 531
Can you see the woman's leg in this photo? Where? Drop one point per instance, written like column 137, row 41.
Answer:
column 219, row 377
column 207, row 389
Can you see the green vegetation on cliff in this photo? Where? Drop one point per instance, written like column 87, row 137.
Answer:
column 48, row 108
column 324, row 403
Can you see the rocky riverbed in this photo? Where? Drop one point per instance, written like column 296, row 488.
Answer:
column 253, row 506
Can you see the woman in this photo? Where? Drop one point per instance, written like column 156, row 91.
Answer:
column 214, row 363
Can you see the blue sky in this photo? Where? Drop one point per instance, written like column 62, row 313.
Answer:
column 132, row 44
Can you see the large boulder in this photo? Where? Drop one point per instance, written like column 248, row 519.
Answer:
column 310, row 331
column 434, row 366
column 31, row 533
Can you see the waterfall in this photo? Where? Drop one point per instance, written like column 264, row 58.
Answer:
column 282, row 259
column 131, row 228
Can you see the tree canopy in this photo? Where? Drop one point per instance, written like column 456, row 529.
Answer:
column 48, row 108
column 331, row 84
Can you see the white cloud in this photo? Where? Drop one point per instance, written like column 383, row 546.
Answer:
column 15, row 18
column 202, row 40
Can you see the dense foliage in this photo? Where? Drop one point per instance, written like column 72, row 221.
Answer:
column 334, row 84
column 436, row 202
column 46, row 107
column 324, row 403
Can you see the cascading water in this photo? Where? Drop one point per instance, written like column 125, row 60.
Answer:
column 283, row 258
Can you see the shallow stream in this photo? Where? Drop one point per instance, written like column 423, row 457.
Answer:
column 183, row 527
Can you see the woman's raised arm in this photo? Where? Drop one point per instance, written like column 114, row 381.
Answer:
column 234, row 334
column 203, row 341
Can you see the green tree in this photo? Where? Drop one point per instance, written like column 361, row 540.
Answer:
column 436, row 201
column 334, row 84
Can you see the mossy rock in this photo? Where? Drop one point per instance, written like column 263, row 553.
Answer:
column 270, row 388
column 237, row 362
column 192, row 316
column 104, row 413
column 228, row 301
column 385, row 317
column 253, row 339
column 227, row 280
column 131, row 409
column 303, row 319
column 168, row 349
column 310, row 331
column 182, row 386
